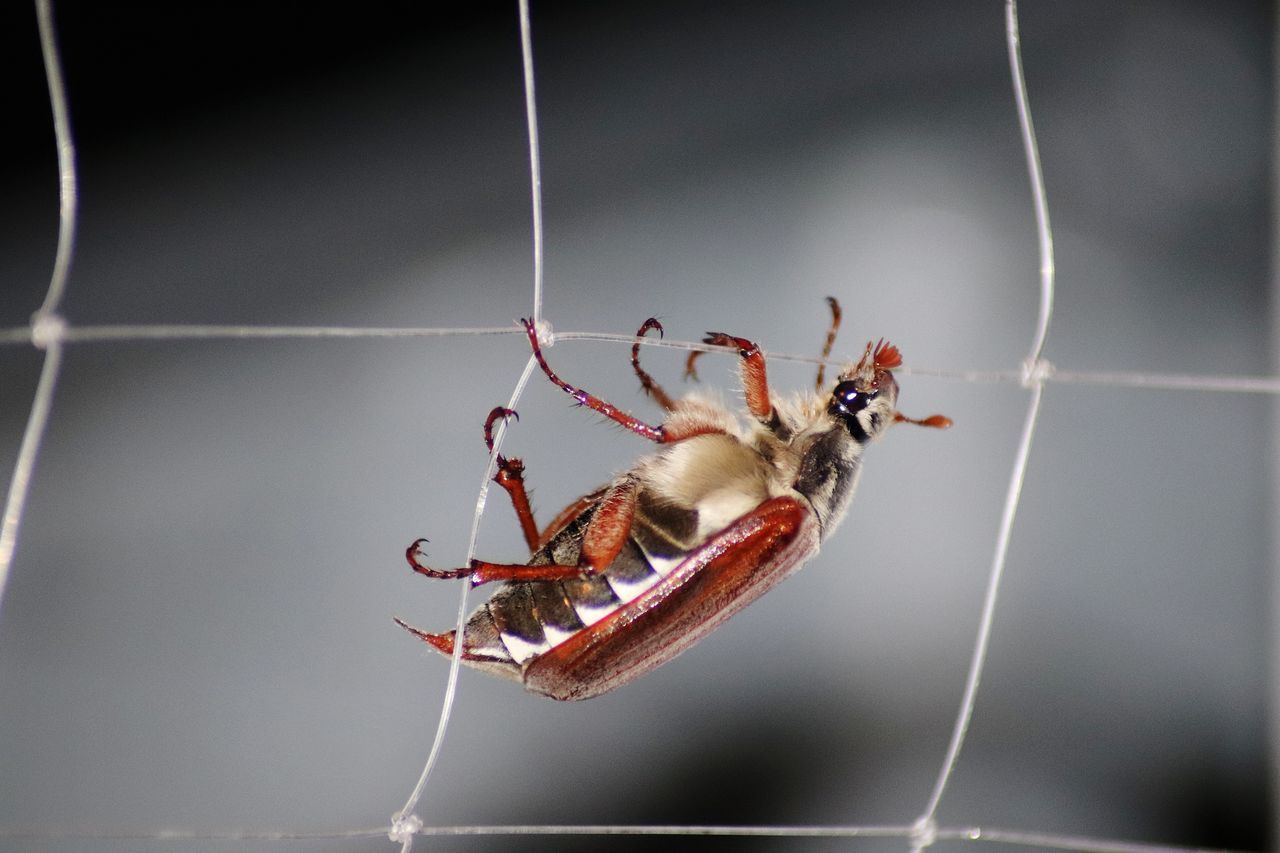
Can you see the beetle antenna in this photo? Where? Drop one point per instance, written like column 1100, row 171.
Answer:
column 934, row 421
column 886, row 355
column 831, row 341
column 690, row 366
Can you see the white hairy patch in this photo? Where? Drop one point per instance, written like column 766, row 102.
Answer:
column 628, row 590
column 521, row 650
column 557, row 635
column 663, row 565
column 590, row 615
column 725, row 476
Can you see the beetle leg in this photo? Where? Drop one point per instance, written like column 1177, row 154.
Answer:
column 755, row 385
column 830, row 342
column 510, row 475
column 660, row 434
column 604, row 537
column 412, row 553
column 653, row 389
column 480, row 571
column 609, row 528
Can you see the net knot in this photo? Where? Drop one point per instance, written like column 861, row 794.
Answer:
column 546, row 334
column 403, row 828
column 1036, row 372
column 924, row 832
column 47, row 329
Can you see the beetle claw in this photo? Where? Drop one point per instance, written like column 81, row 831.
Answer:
column 414, row 552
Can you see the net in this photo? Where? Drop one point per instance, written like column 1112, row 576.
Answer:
column 197, row 634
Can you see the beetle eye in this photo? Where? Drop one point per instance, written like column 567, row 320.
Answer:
column 848, row 400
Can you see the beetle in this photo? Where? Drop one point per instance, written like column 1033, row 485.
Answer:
column 635, row 572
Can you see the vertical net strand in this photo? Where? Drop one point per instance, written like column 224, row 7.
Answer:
column 985, row 622
column 535, row 157
column 404, row 823
column 1035, row 374
column 68, row 192
column 47, row 328
column 1035, row 174
column 28, row 450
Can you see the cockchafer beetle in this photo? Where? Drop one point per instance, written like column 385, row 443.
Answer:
column 632, row 574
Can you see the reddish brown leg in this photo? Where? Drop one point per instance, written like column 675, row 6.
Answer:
column 481, row 571
column 831, row 341
column 755, row 385
column 653, row 389
column 660, row 434
column 510, row 476
column 412, row 553
column 601, row 542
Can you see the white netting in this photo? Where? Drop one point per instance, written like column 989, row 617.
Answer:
column 197, row 631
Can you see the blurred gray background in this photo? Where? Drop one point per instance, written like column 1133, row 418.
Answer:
column 198, row 630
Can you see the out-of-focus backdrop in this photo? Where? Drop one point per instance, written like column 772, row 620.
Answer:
column 198, row 629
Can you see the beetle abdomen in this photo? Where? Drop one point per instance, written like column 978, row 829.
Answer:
column 696, row 594
column 523, row 620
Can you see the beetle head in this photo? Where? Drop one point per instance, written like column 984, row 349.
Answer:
column 866, row 394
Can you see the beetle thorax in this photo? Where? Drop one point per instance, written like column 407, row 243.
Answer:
column 823, row 460
column 829, row 469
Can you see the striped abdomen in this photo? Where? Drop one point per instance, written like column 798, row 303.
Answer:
column 523, row 620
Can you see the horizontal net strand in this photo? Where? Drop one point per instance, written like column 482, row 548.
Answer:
column 975, row 834
column 1241, row 384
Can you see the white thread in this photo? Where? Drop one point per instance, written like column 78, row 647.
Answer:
column 456, row 661
column 1046, row 372
column 987, row 618
column 1031, row 153
column 173, row 332
column 47, row 328
column 28, row 451
column 1034, row 369
column 535, row 160
column 989, row 835
column 68, row 193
